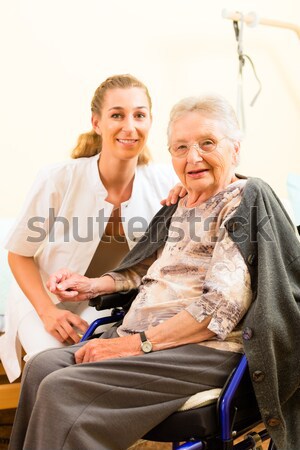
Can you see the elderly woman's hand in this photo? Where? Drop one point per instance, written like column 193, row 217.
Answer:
column 57, row 277
column 73, row 287
column 100, row 349
column 178, row 191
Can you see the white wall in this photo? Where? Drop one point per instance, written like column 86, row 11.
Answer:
column 54, row 53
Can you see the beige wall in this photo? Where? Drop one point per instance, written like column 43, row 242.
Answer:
column 55, row 53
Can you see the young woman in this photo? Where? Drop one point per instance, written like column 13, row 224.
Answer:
column 84, row 214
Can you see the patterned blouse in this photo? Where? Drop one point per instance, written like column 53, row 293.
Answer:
column 199, row 269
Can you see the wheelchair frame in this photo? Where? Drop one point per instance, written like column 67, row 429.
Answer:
column 226, row 436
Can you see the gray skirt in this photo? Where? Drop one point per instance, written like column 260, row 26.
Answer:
column 110, row 404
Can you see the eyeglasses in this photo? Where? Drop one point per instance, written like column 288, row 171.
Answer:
column 180, row 150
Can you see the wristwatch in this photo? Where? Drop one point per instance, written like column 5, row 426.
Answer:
column 146, row 345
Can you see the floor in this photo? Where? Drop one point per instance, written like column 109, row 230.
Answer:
column 6, row 421
column 7, row 416
column 144, row 445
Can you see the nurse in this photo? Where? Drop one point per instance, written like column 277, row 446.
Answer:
column 84, row 214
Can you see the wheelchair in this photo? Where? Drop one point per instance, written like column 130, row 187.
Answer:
column 213, row 425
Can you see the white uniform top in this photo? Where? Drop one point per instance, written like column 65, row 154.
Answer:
column 61, row 224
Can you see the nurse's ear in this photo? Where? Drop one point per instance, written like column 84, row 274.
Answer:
column 96, row 123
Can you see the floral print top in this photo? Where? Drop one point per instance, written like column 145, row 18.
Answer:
column 199, row 269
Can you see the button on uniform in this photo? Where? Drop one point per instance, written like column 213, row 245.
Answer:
column 251, row 259
column 247, row 333
column 258, row 376
column 273, row 422
column 233, row 226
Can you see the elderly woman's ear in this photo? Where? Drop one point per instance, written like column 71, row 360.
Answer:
column 236, row 152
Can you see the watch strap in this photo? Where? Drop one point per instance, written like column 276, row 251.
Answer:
column 143, row 336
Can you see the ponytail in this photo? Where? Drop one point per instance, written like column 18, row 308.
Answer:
column 88, row 144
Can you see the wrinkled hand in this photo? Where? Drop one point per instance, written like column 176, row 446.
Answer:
column 56, row 278
column 61, row 323
column 73, row 287
column 101, row 349
column 177, row 191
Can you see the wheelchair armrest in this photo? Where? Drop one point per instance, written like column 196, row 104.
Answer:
column 108, row 301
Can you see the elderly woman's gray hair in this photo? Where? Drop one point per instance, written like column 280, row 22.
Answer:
column 214, row 106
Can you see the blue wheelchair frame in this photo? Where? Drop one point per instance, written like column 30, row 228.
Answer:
column 225, row 436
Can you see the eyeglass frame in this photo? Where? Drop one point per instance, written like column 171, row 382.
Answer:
column 198, row 147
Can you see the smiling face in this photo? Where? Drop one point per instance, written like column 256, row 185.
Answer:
column 202, row 174
column 124, row 123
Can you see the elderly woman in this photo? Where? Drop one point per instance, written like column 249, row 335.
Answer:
column 204, row 263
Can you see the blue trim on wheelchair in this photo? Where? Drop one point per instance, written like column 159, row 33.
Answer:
column 116, row 315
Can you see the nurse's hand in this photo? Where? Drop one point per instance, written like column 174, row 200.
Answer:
column 178, row 191
column 73, row 287
column 64, row 325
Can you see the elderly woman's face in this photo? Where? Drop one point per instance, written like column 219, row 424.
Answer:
column 202, row 173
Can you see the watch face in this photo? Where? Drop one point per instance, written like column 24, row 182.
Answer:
column 146, row 347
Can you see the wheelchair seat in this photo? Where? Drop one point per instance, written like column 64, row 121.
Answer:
column 202, row 421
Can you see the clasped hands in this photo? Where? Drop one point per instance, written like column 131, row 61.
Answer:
column 72, row 287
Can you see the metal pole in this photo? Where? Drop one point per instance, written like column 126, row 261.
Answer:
column 253, row 20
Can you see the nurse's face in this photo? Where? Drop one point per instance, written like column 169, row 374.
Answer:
column 124, row 123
